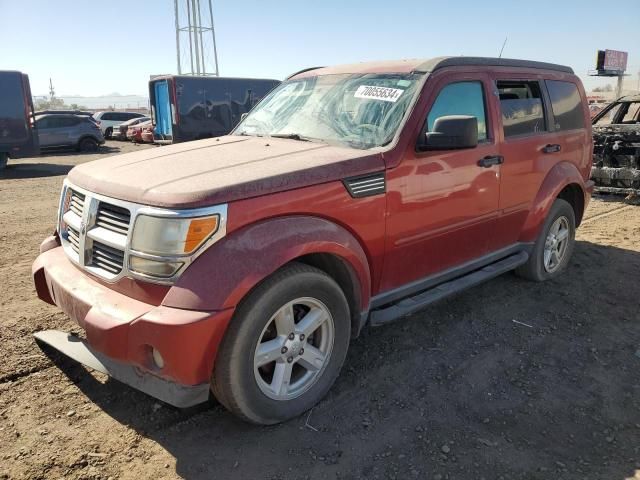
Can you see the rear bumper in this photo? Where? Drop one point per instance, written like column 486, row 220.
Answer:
column 126, row 331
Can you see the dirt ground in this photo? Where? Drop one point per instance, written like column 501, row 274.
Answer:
column 509, row 380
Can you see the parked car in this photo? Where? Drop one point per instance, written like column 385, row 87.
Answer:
column 109, row 120
column 68, row 131
column 120, row 132
column 187, row 108
column 350, row 195
column 17, row 136
column 134, row 133
column 147, row 134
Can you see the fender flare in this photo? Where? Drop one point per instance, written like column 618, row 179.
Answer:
column 559, row 176
column 223, row 275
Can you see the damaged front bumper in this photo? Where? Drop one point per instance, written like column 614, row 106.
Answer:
column 125, row 337
column 616, row 180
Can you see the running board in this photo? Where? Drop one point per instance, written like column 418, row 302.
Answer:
column 421, row 300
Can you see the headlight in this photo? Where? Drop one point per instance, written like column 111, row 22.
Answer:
column 172, row 236
column 162, row 243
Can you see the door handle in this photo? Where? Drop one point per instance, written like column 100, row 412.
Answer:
column 551, row 148
column 490, row 161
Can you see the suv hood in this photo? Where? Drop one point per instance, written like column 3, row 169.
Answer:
column 219, row 170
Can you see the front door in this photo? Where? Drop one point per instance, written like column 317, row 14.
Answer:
column 442, row 204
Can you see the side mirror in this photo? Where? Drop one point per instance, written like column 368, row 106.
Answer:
column 243, row 116
column 451, row 132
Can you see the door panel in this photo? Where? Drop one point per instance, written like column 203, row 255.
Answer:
column 441, row 204
column 524, row 123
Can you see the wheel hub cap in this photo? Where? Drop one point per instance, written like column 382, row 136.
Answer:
column 294, row 348
column 556, row 243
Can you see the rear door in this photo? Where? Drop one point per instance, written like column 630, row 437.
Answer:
column 162, row 109
column 14, row 128
column 527, row 149
column 442, row 204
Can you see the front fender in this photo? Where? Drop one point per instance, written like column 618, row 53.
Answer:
column 561, row 175
column 229, row 269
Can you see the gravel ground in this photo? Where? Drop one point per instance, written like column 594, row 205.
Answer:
column 509, row 380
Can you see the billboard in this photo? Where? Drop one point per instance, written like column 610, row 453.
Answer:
column 612, row 60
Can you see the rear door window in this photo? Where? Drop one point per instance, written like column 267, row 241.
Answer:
column 522, row 107
column 632, row 115
column 566, row 105
column 109, row 116
column 460, row 98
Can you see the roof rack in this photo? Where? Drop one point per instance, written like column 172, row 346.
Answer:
column 434, row 64
column 302, row 71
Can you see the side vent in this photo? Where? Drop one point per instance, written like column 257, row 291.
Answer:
column 366, row 185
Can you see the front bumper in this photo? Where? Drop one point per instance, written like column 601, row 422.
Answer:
column 121, row 332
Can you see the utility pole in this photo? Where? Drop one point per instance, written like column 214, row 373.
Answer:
column 197, row 26
column 52, row 92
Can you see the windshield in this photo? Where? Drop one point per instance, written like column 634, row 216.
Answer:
column 361, row 111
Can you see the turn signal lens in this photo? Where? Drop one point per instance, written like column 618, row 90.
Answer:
column 199, row 230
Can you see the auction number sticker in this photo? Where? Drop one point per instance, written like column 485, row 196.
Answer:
column 378, row 93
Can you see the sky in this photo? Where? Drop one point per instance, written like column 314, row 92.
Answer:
column 97, row 48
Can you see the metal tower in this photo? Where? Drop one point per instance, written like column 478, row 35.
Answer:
column 195, row 38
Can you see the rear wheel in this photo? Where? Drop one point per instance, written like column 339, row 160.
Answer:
column 88, row 144
column 284, row 347
column 4, row 158
column 554, row 246
column 108, row 132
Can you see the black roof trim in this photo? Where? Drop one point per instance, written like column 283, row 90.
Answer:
column 442, row 62
column 302, row 71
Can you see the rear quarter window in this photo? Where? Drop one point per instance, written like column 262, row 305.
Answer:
column 108, row 116
column 566, row 105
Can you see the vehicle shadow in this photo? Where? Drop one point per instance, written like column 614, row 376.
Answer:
column 510, row 379
column 33, row 170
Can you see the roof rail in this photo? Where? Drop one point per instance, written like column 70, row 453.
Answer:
column 440, row 62
column 302, row 71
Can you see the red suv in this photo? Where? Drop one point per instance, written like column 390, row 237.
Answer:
column 243, row 265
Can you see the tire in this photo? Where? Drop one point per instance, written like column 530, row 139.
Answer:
column 4, row 158
column 245, row 388
column 536, row 268
column 88, row 144
column 108, row 132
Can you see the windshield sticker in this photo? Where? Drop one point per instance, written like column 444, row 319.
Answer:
column 378, row 93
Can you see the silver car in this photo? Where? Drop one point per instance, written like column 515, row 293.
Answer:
column 68, row 131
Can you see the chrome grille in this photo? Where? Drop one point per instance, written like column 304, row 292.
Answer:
column 113, row 218
column 74, row 239
column 107, row 258
column 76, row 203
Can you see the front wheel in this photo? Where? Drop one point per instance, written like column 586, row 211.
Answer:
column 284, row 347
column 88, row 145
column 554, row 246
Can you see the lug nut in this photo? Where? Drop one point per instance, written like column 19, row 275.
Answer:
column 283, row 350
column 291, row 336
column 301, row 351
column 289, row 359
column 302, row 336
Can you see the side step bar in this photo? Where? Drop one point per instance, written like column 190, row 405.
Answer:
column 421, row 300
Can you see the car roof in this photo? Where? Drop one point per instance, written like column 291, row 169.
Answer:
column 60, row 115
column 428, row 66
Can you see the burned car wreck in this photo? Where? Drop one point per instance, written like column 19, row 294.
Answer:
column 616, row 150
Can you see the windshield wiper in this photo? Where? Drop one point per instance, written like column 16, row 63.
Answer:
column 292, row 136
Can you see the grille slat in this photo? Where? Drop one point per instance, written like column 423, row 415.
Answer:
column 74, row 239
column 114, row 218
column 76, row 203
column 107, row 258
